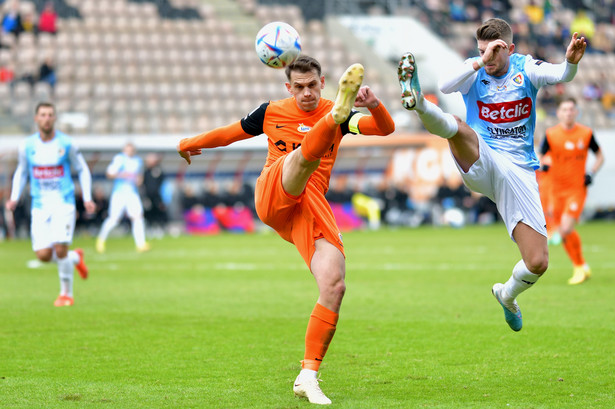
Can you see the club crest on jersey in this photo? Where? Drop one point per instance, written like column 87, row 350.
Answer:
column 303, row 128
column 518, row 79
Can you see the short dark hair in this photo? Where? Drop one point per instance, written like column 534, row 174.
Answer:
column 568, row 99
column 495, row 29
column 44, row 104
column 303, row 64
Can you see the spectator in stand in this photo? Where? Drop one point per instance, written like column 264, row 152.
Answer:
column 28, row 23
column 47, row 72
column 47, row 19
column 6, row 73
column 585, row 26
column 592, row 92
column 11, row 22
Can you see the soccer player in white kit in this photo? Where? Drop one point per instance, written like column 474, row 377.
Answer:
column 47, row 158
column 494, row 150
column 126, row 169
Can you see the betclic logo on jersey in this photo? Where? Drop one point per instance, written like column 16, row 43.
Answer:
column 502, row 112
column 48, row 172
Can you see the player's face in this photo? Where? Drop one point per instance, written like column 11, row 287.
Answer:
column 499, row 65
column 129, row 150
column 567, row 113
column 306, row 88
column 45, row 118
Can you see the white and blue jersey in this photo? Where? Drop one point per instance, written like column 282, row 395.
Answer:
column 128, row 170
column 48, row 165
column 502, row 109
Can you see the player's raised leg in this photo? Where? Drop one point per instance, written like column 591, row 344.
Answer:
column 299, row 165
column 462, row 139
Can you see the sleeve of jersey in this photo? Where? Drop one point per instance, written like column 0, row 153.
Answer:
column 85, row 177
column 544, row 146
column 222, row 136
column 21, row 175
column 543, row 73
column 593, row 144
column 378, row 123
column 460, row 80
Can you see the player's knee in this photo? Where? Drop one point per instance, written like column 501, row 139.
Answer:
column 339, row 289
column 538, row 264
column 44, row 255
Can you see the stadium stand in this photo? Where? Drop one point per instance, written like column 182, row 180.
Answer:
column 160, row 66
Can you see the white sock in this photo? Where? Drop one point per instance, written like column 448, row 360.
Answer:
column 106, row 228
column 308, row 374
column 73, row 257
column 520, row 280
column 435, row 120
column 138, row 231
column 65, row 271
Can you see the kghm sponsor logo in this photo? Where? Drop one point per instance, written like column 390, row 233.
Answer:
column 47, row 172
column 502, row 112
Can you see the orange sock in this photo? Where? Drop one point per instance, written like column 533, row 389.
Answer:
column 318, row 140
column 320, row 330
column 572, row 244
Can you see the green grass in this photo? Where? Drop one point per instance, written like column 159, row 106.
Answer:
column 219, row 322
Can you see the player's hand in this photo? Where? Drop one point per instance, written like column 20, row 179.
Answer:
column 187, row 154
column 492, row 50
column 90, row 207
column 11, row 205
column 366, row 98
column 588, row 179
column 575, row 49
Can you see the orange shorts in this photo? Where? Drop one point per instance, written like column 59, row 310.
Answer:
column 301, row 219
column 569, row 202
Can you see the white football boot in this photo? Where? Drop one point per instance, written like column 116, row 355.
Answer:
column 309, row 388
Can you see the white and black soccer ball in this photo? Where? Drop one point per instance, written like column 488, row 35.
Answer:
column 277, row 44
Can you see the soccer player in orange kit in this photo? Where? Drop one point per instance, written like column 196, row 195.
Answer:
column 568, row 144
column 304, row 133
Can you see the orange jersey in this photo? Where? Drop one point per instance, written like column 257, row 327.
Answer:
column 285, row 126
column 568, row 149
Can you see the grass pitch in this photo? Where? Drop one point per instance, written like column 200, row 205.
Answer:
column 219, row 322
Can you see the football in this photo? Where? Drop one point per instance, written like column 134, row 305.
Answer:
column 277, row 44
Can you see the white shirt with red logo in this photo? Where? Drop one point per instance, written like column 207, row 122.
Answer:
column 502, row 109
column 48, row 164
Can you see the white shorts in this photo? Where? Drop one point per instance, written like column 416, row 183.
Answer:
column 513, row 189
column 125, row 201
column 52, row 225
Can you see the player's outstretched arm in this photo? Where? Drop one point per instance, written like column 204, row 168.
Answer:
column 576, row 49
column 223, row 136
column 380, row 121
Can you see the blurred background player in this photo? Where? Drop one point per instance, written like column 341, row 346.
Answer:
column 126, row 169
column 568, row 144
column 543, row 178
column 155, row 208
column 47, row 158
column 494, row 150
column 304, row 134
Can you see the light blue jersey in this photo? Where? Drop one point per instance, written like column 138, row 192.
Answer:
column 48, row 165
column 128, row 170
column 502, row 111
